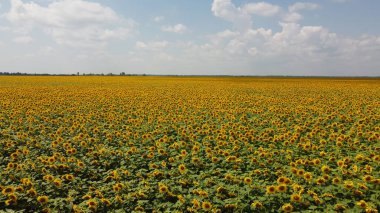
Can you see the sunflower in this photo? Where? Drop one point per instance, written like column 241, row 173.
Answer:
column 26, row 182
column 221, row 189
column 51, row 159
column 9, row 202
column 83, row 144
column 248, row 180
column 288, row 181
column 336, row 180
column 367, row 178
column 86, row 197
column 12, row 197
column 371, row 210
column 8, row 190
column 206, row 206
column 376, row 181
column 281, row 188
column 359, row 157
column 340, row 207
column 296, row 198
column 150, row 155
column 181, row 198
column 139, row 209
column 325, row 169
column 228, row 177
column 281, row 180
column 270, row 189
column 32, row 192
column 161, row 151
column 316, row 161
column 214, row 159
column 363, row 187
column 297, row 187
column 10, row 166
column 80, row 164
column 19, row 189
column 116, row 188
column 92, row 203
column 163, row 188
column 69, row 177
column 196, row 203
column 340, row 163
column 57, row 182
column 320, row 181
column 195, row 160
column 230, row 206
column 317, row 200
column 300, row 172
column 183, row 152
column 257, row 205
column 358, row 193
column 362, row 204
column 348, row 184
column 308, row 176
column 43, row 199
column 48, row 177
column 195, row 148
column 287, row 207
column 182, row 168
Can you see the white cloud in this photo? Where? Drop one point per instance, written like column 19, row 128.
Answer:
column 294, row 10
column 312, row 50
column 292, row 17
column 226, row 10
column 23, row 40
column 242, row 17
column 178, row 28
column 303, row 6
column 158, row 18
column 151, row 46
column 261, row 9
column 71, row 22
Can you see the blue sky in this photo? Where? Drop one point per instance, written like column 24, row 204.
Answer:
column 229, row 37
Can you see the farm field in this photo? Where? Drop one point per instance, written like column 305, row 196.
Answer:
column 189, row 144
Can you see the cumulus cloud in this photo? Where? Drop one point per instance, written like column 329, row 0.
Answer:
column 294, row 10
column 178, row 28
column 242, row 16
column 311, row 49
column 292, row 41
column 71, row 22
column 292, row 17
column 261, row 9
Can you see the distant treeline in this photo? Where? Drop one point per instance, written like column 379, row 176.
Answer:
column 128, row 74
column 77, row 74
column 18, row 73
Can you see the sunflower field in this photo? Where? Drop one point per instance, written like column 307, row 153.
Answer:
column 189, row 144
